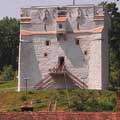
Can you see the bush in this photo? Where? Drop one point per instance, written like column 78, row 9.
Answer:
column 8, row 73
column 1, row 77
column 30, row 92
column 23, row 98
column 41, row 105
column 14, row 110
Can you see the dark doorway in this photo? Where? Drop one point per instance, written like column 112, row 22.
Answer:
column 61, row 60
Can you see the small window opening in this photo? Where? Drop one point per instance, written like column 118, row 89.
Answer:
column 45, row 54
column 60, row 26
column 61, row 37
column 47, row 42
column 85, row 52
column 45, row 26
column 77, row 42
column 61, row 61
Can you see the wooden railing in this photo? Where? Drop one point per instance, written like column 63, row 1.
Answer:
column 48, row 82
column 78, row 81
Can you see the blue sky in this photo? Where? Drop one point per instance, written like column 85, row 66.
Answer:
column 12, row 7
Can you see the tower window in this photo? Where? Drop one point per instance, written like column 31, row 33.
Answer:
column 47, row 43
column 77, row 42
column 60, row 26
column 45, row 54
column 61, row 37
column 85, row 52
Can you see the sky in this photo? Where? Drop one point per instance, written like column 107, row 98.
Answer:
column 11, row 8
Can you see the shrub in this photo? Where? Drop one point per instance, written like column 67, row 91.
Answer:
column 30, row 92
column 1, row 78
column 23, row 98
column 41, row 105
column 8, row 73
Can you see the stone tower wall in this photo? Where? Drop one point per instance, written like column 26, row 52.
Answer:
column 88, row 61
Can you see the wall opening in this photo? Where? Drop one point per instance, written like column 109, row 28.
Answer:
column 45, row 54
column 61, row 37
column 47, row 42
column 85, row 52
column 60, row 26
column 61, row 60
column 77, row 42
column 78, row 26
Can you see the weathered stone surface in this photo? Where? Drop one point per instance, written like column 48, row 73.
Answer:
column 87, row 61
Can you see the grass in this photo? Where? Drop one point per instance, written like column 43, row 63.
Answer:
column 8, row 85
column 11, row 100
column 79, row 100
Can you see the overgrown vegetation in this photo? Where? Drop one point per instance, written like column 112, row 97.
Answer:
column 8, row 73
column 79, row 100
column 8, row 85
column 114, row 46
column 9, row 43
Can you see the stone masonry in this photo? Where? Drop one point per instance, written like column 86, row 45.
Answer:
column 63, row 47
column 60, row 116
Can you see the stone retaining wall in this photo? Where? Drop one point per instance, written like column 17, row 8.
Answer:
column 60, row 116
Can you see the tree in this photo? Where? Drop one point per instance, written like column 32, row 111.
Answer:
column 8, row 73
column 114, row 46
column 9, row 42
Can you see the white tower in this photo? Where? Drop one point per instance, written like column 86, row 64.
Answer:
column 64, row 47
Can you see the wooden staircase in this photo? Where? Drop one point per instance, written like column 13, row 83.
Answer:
column 48, row 82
